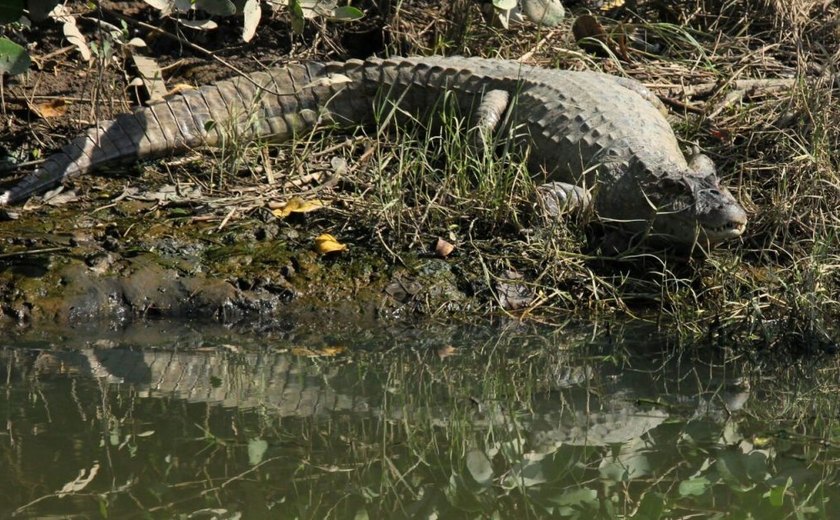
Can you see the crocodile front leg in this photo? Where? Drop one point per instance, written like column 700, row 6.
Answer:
column 558, row 198
column 554, row 198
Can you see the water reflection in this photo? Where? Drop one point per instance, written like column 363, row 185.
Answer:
column 353, row 422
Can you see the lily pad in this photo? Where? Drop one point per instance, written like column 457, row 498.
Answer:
column 694, row 486
column 13, row 58
column 347, row 13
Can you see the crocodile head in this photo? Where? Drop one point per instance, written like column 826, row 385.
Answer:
column 694, row 210
column 667, row 202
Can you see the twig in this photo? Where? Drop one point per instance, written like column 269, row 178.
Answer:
column 34, row 251
column 527, row 56
column 676, row 103
column 226, row 219
column 746, row 85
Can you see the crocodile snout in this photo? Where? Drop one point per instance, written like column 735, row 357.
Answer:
column 730, row 222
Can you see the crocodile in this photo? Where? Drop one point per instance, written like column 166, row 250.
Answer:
column 594, row 138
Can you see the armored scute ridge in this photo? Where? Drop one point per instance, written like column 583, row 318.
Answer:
column 588, row 132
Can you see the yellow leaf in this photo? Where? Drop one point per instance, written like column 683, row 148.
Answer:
column 52, row 108
column 318, row 352
column 446, row 351
column 297, row 205
column 179, row 87
column 327, row 243
column 443, row 248
column 761, row 442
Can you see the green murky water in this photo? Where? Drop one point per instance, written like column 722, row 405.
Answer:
column 165, row 420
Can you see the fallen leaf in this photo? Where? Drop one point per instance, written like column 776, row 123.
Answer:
column 446, row 351
column 51, row 108
column 443, row 248
column 298, row 205
column 318, row 352
column 199, row 25
column 59, row 199
column 326, row 244
column 180, row 87
column 252, row 13
column 71, row 31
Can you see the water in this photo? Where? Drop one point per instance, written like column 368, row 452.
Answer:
column 170, row 420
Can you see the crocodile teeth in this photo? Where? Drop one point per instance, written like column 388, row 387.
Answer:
column 728, row 229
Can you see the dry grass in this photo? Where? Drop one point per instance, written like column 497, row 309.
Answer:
column 774, row 142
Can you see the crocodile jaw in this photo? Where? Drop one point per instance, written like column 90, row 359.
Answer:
column 732, row 227
column 690, row 227
column 718, row 214
column 690, row 209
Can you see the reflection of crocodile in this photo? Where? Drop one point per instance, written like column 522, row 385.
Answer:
column 281, row 383
column 585, row 130
column 289, row 386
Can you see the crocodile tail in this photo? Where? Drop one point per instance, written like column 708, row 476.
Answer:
column 263, row 105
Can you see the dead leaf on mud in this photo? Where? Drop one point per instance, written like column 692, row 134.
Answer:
column 49, row 109
column 297, row 205
column 326, row 244
column 443, row 248
column 446, row 351
column 199, row 25
column 318, row 352
column 180, row 87
column 513, row 293
column 59, row 199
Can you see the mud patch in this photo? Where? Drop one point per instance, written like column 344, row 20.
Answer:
column 81, row 262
